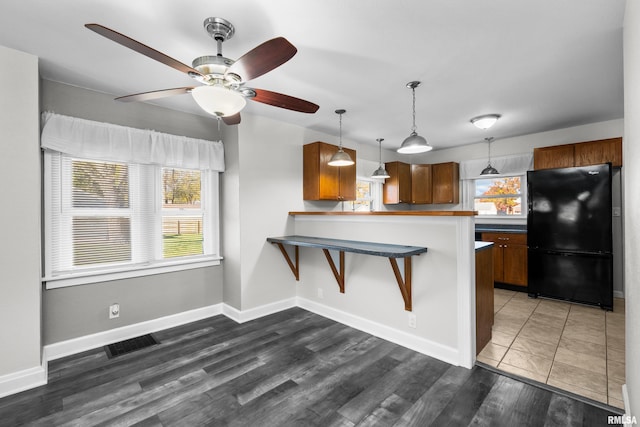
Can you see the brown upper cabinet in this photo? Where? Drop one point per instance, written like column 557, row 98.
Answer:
column 421, row 186
column 446, row 182
column 397, row 188
column 422, row 183
column 580, row 154
column 323, row 182
column 598, row 152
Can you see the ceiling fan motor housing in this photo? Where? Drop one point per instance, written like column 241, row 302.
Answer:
column 219, row 29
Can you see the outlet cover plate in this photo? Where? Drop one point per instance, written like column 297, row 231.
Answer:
column 114, row 311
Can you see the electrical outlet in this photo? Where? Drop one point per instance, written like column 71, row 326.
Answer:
column 320, row 293
column 412, row 320
column 114, row 311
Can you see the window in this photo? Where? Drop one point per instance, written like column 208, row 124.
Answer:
column 181, row 213
column 368, row 195
column 113, row 217
column 499, row 196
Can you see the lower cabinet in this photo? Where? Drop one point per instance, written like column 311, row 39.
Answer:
column 509, row 257
column 484, row 297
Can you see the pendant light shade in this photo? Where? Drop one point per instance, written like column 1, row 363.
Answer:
column 414, row 143
column 381, row 172
column 218, row 100
column 489, row 170
column 341, row 157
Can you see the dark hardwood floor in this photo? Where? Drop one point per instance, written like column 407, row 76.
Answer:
column 292, row 368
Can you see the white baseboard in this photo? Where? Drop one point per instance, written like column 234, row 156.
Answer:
column 26, row 379
column 257, row 312
column 625, row 399
column 421, row 345
column 80, row 344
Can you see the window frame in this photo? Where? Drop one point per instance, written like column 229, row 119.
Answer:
column 375, row 199
column 149, row 214
column 523, row 197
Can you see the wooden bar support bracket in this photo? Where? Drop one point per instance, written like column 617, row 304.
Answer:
column 338, row 275
column 393, row 252
column 295, row 269
column 404, row 285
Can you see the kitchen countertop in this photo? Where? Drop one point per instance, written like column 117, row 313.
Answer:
column 501, row 228
column 388, row 213
column 483, row 245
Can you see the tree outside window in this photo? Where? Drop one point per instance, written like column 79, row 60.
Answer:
column 498, row 196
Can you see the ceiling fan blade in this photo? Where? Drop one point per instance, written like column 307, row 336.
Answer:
column 156, row 94
column 142, row 48
column 264, row 58
column 232, row 120
column 284, row 101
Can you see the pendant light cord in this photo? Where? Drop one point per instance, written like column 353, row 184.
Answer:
column 413, row 129
column 340, row 114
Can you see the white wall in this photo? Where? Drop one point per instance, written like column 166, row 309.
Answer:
column 631, row 153
column 20, row 216
column 441, row 280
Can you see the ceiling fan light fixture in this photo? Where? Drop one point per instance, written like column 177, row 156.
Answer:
column 486, row 121
column 341, row 158
column 218, row 100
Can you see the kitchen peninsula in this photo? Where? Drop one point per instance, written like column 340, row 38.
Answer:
column 442, row 323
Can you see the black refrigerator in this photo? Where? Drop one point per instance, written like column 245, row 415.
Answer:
column 569, row 234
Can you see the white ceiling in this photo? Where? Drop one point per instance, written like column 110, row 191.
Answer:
column 542, row 64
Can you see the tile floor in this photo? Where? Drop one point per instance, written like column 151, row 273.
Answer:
column 570, row 346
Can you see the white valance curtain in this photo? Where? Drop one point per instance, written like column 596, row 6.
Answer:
column 507, row 165
column 105, row 141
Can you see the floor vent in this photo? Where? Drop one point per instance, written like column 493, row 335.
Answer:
column 128, row 346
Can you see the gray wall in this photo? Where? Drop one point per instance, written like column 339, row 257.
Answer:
column 20, row 215
column 77, row 311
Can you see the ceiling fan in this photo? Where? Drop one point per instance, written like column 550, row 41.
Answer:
column 222, row 92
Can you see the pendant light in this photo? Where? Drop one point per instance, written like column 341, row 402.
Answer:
column 414, row 143
column 489, row 170
column 381, row 172
column 341, row 158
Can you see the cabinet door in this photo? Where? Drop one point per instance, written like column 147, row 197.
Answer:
column 557, row 156
column 397, row 188
column 446, row 182
column 329, row 178
column 598, row 152
column 509, row 257
column 497, row 240
column 421, row 184
column 347, row 178
column 515, row 264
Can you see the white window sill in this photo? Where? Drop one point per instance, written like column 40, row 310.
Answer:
column 86, row 278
